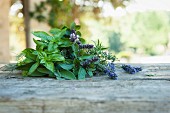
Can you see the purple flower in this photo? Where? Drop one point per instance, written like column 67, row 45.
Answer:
column 89, row 61
column 131, row 70
column 110, row 71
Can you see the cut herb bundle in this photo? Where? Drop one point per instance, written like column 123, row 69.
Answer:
column 63, row 54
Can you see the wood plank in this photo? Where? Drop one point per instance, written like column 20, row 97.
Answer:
column 136, row 93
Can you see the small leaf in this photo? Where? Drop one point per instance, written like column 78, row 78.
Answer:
column 37, row 74
column 77, row 27
column 73, row 25
column 43, row 35
column 67, row 74
column 65, row 42
column 28, row 53
column 27, row 60
column 82, row 73
column 33, row 68
column 50, row 46
column 75, row 48
column 25, row 67
column 68, row 32
column 57, row 73
column 90, row 73
column 150, row 75
column 60, row 34
column 56, row 57
column 66, row 66
column 76, row 63
column 86, row 57
column 42, row 55
column 39, row 43
column 55, row 31
column 49, row 66
column 78, row 33
column 82, row 40
column 44, row 70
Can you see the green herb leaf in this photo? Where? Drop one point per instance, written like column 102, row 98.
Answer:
column 73, row 25
column 28, row 53
column 56, row 57
column 77, row 27
column 86, row 57
column 55, row 31
column 82, row 73
column 67, row 74
column 90, row 73
column 33, row 68
column 37, row 74
column 75, row 48
column 27, row 60
column 43, row 35
column 49, row 66
column 66, row 66
column 40, row 43
column 50, row 46
column 42, row 55
column 65, row 42
column 24, row 67
column 60, row 34
column 44, row 70
column 78, row 33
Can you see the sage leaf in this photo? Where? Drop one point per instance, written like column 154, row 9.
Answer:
column 82, row 73
column 67, row 74
column 66, row 66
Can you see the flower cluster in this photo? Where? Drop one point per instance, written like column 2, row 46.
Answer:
column 75, row 38
column 86, row 46
column 131, row 70
column 89, row 61
column 110, row 71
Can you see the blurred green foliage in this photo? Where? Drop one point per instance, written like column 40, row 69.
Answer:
column 115, row 43
column 146, row 32
column 53, row 12
column 140, row 32
column 62, row 12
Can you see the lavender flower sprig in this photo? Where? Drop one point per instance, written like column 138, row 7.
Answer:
column 131, row 70
column 110, row 71
column 86, row 46
column 89, row 61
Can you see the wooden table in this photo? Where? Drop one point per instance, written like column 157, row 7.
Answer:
column 136, row 93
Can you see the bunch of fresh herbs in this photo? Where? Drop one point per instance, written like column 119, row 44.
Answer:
column 63, row 54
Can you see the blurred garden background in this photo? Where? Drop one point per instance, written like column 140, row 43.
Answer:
column 136, row 31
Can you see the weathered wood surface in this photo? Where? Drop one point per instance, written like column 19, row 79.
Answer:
column 136, row 93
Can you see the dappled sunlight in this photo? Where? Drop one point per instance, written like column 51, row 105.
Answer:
column 132, row 29
column 17, row 30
